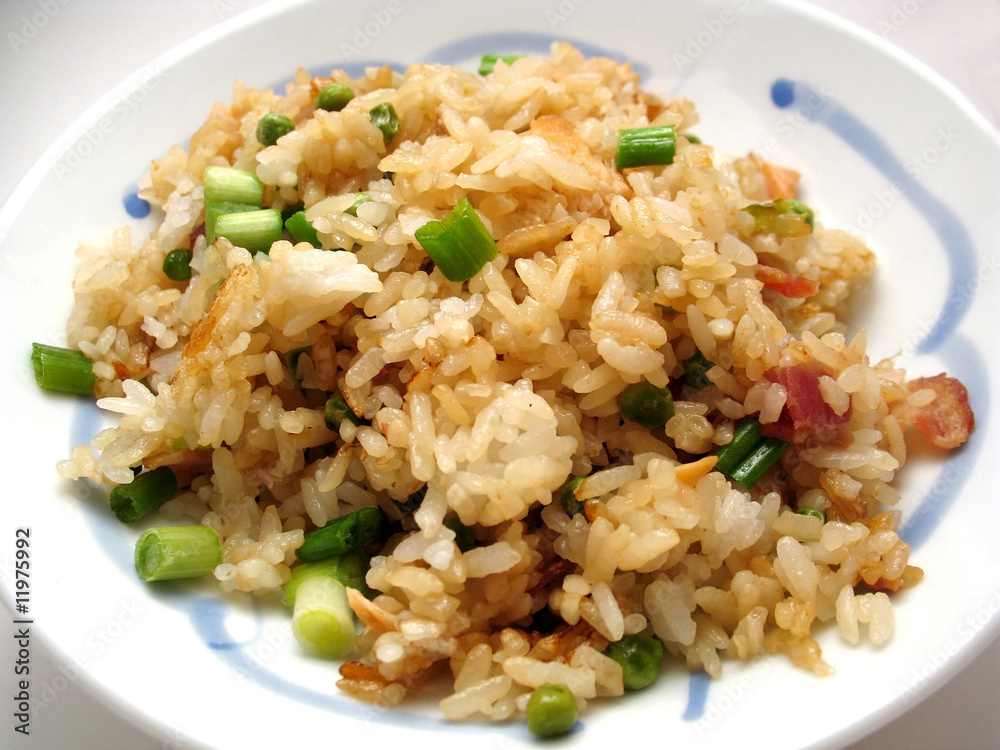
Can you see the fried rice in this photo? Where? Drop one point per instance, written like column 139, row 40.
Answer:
column 480, row 400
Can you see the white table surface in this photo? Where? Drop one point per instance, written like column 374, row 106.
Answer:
column 59, row 56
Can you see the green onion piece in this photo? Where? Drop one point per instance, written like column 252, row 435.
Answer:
column 647, row 405
column 334, row 97
column 692, row 138
column 233, row 185
column 567, row 496
column 761, row 458
column 341, row 535
column 783, row 218
column 292, row 362
column 465, row 538
column 301, row 229
column 144, row 494
column 336, row 411
column 322, row 621
column 214, row 210
column 459, row 244
column 488, row 62
column 745, row 439
column 384, row 118
column 64, row 370
column 813, row 512
column 177, row 264
column 361, row 200
column 167, row 552
column 695, row 368
column 272, row 126
column 350, row 569
column 254, row 230
column 640, row 657
column 787, row 205
column 644, row 147
column 551, row 710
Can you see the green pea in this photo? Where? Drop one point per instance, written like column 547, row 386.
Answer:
column 334, row 97
column 177, row 265
column 271, row 127
column 640, row 656
column 551, row 710
column 647, row 405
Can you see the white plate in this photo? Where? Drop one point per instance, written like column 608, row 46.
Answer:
column 884, row 150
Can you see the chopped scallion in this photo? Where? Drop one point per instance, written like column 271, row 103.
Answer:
column 168, row 552
column 764, row 455
column 292, row 362
column 695, row 368
column 465, row 538
column 177, row 264
column 644, row 147
column 489, row 62
column 254, row 230
column 233, row 185
column 745, row 438
column 360, row 200
column 384, row 118
column 214, row 210
column 647, row 405
column 787, row 205
column 341, row 535
column 459, row 244
column 322, row 621
column 144, row 494
column 783, row 218
column 64, row 370
column 350, row 569
column 813, row 512
column 302, row 229
column 337, row 410
column 567, row 496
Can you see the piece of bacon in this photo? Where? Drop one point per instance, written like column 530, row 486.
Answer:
column 784, row 283
column 946, row 421
column 805, row 414
column 781, row 182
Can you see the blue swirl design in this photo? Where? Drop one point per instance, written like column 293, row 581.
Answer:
column 964, row 359
column 208, row 615
column 948, row 228
column 698, row 684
